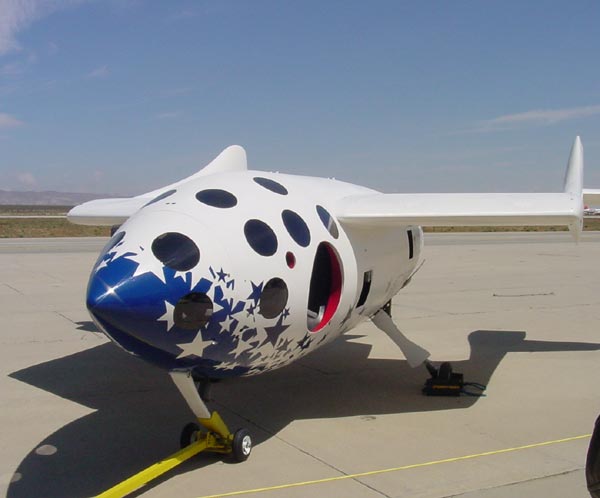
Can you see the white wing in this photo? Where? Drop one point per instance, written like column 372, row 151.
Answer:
column 564, row 208
column 591, row 196
column 111, row 212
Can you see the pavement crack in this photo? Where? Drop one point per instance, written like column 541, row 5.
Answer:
column 534, row 294
column 14, row 289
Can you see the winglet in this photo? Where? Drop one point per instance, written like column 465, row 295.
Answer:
column 233, row 158
column 574, row 187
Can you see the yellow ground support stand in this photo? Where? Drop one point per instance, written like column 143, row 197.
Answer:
column 218, row 439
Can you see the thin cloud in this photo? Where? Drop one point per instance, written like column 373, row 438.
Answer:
column 536, row 117
column 548, row 116
column 27, row 179
column 99, row 72
column 8, row 121
column 17, row 15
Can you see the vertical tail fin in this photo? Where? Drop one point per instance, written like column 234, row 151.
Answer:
column 574, row 187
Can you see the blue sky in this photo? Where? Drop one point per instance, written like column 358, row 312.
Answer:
column 126, row 96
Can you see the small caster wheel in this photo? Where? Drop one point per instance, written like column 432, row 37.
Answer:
column 189, row 435
column 241, row 445
column 445, row 371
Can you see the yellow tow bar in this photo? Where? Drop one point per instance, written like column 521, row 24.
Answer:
column 217, row 440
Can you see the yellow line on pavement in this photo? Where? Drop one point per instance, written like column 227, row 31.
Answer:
column 145, row 476
column 396, row 469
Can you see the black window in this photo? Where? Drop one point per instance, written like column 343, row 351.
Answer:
column 162, row 196
column 193, row 311
column 410, row 244
column 217, row 198
column 176, row 251
column 328, row 221
column 296, row 227
column 260, row 237
column 271, row 185
column 110, row 245
column 273, row 298
column 366, row 287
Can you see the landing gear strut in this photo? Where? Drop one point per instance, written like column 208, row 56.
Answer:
column 216, row 438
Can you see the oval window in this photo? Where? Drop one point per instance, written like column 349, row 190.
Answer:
column 176, row 251
column 328, row 221
column 217, row 198
column 296, row 227
column 110, row 245
column 193, row 311
column 271, row 185
column 260, row 237
column 160, row 197
column 273, row 298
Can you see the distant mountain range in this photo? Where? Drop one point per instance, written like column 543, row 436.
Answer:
column 47, row 198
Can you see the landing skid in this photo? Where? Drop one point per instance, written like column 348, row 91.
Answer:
column 216, row 436
column 443, row 381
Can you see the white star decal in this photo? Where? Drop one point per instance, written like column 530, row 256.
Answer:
column 226, row 324
column 147, row 263
column 168, row 316
column 196, row 347
column 242, row 347
column 116, row 252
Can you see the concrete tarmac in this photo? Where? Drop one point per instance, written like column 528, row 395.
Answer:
column 517, row 312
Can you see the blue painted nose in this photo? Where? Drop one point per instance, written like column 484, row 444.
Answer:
column 134, row 310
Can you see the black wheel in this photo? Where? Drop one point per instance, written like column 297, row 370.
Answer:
column 242, row 445
column 189, row 434
column 592, row 465
column 445, row 371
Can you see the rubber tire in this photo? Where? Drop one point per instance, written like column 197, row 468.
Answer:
column 241, row 446
column 445, row 371
column 592, row 464
column 188, row 434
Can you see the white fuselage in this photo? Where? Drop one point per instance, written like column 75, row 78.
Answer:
column 241, row 272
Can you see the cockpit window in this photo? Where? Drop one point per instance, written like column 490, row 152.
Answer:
column 260, row 237
column 176, row 251
column 110, row 245
column 193, row 311
column 328, row 221
column 162, row 196
column 271, row 185
column 217, row 198
column 296, row 227
column 273, row 298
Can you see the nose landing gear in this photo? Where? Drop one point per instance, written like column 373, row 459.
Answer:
column 217, row 438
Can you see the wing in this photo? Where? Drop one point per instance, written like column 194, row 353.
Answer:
column 508, row 209
column 591, row 196
column 111, row 212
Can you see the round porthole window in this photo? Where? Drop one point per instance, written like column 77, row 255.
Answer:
column 110, row 245
column 217, row 198
column 296, row 227
column 193, row 311
column 273, row 298
column 261, row 237
column 176, row 251
column 328, row 221
column 271, row 185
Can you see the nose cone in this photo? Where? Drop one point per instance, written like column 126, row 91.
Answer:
column 131, row 295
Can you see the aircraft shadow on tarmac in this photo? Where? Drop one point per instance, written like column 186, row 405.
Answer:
column 138, row 413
